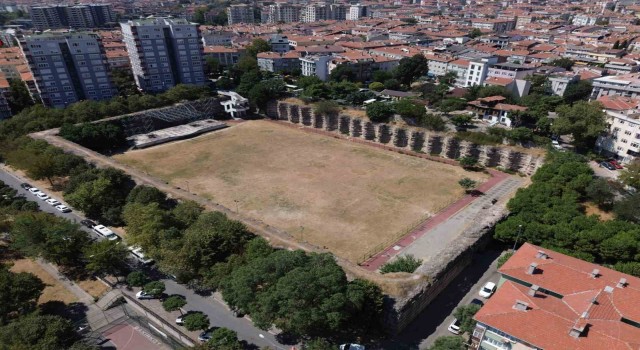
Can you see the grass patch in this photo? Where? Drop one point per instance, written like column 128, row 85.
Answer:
column 406, row 263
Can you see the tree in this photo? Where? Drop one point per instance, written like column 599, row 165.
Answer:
column 38, row 332
column 449, row 105
column 173, row 303
column 475, row 32
column 225, row 339
column 19, row 96
column 327, row 108
column 392, row 84
column 305, row 82
column 409, row 109
column 265, row 91
column 212, row 66
column 342, row 72
column 196, row 321
column 145, row 223
column 124, row 81
column 144, row 194
column 467, row 183
column 563, row 62
column 465, row 314
column 381, row 75
column 318, row 344
column 468, row 162
column 600, row 192
column 376, row 86
column 578, row 91
column 106, row 257
column 379, row 112
column 461, row 120
column 257, row 46
column 411, row 68
column 105, row 136
column 432, row 122
column 584, row 121
column 155, row 288
column 627, row 209
column 137, row 279
column 19, row 293
column 616, row 45
column 448, row 343
column 186, row 212
column 630, row 175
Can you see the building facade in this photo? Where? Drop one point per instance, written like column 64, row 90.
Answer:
column 627, row 85
column 315, row 65
column 622, row 140
column 280, row 13
column 240, row 13
column 164, row 52
column 77, row 16
column 68, row 67
column 315, row 12
column 356, row 12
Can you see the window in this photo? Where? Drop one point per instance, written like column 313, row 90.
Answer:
column 624, row 141
column 627, row 132
column 43, row 65
column 635, row 145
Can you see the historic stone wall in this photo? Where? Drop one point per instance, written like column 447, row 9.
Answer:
column 409, row 138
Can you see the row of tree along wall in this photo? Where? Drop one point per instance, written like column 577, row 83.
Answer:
column 405, row 137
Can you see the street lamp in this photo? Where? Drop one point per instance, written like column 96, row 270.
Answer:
column 517, row 237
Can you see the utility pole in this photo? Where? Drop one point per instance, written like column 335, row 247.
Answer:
column 517, row 237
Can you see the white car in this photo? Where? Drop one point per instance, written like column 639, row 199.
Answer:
column 454, row 327
column 34, row 190
column 142, row 296
column 42, row 196
column 488, row 290
column 351, row 346
column 106, row 232
column 62, row 208
column 53, row 202
column 138, row 254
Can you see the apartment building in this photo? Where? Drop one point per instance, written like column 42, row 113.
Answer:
column 551, row 301
column 478, row 70
column 240, row 13
column 76, row 16
column 510, row 70
column 164, row 52
column 279, row 62
column 561, row 80
column 356, row 12
column 315, row 12
column 279, row 43
column 585, row 20
column 68, row 67
column 5, row 110
column 627, row 85
column 622, row 141
column 226, row 56
column 338, row 12
column 315, row 65
column 280, row 12
column 495, row 25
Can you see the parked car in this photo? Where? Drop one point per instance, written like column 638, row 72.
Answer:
column 63, row 208
column 607, row 165
column 53, row 202
column 615, row 164
column 487, row 290
column 42, row 196
column 351, row 346
column 34, row 190
column 477, row 302
column 204, row 336
column 138, row 254
column 141, row 295
column 25, row 185
column 454, row 327
column 88, row 223
column 106, row 232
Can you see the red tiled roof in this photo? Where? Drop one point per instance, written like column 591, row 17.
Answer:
column 596, row 303
column 498, row 81
column 618, row 103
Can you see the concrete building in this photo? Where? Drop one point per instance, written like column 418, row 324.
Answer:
column 315, row 65
column 356, row 12
column 510, row 70
column 77, row 16
column 279, row 43
column 551, row 301
column 338, row 12
column 217, row 37
column 236, row 106
column 68, row 67
column 226, row 56
column 460, row 68
column 623, row 138
column 164, row 52
column 478, row 70
column 585, row 20
column 560, row 81
column 275, row 63
column 240, row 13
column 494, row 110
column 627, row 85
column 495, row 25
column 280, row 12
column 315, row 12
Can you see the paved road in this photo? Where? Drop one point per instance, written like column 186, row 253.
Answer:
column 218, row 313
column 434, row 320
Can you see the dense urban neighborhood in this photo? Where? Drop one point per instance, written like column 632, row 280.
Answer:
column 407, row 174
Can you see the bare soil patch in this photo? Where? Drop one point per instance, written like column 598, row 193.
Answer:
column 54, row 291
column 332, row 193
column 592, row 209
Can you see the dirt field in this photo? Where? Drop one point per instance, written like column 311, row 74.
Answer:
column 54, row 289
column 592, row 209
column 333, row 193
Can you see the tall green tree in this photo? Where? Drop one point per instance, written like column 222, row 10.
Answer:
column 630, row 175
column 38, row 332
column 465, row 314
column 196, row 322
column 579, row 91
column 106, row 257
column 584, row 121
column 448, row 343
column 379, row 112
column 225, row 339
column 563, row 62
column 19, row 293
column 19, row 96
column 411, row 68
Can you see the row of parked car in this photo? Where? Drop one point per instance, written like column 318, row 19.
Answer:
column 611, row 165
column 486, row 292
column 45, row 197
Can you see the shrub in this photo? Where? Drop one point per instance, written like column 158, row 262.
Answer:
column 479, row 138
column 503, row 258
column 137, row 279
column 406, row 263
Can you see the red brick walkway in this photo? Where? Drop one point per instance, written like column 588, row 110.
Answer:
column 382, row 257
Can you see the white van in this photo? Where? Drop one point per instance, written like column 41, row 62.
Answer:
column 106, row 232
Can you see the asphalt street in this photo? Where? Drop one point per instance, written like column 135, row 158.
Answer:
column 218, row 313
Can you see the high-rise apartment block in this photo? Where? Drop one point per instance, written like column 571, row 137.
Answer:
column 356, row 12
column 77, row 16
column 240, row 13
column 315, row 12
column 68, row 67
column 164, row 52
column 280, row 12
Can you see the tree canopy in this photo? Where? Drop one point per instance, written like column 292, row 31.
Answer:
column 411, row 68
column 379, row 112
column 584, row 121
column 19, row 293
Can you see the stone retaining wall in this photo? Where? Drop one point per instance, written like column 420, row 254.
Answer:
column 410, row 138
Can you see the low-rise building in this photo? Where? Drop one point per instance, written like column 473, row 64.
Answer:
column 226, row 56
column 560, row 81
column 510, row 70
column 627, row 85
column 236, row 106
column 551, row 301
column 279, row 43
column 277, row 62
column 622, row 141
column 494, row 110
column 315, row 65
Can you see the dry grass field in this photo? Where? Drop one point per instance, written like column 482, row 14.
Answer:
column 336, row 194
column 54, row 290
